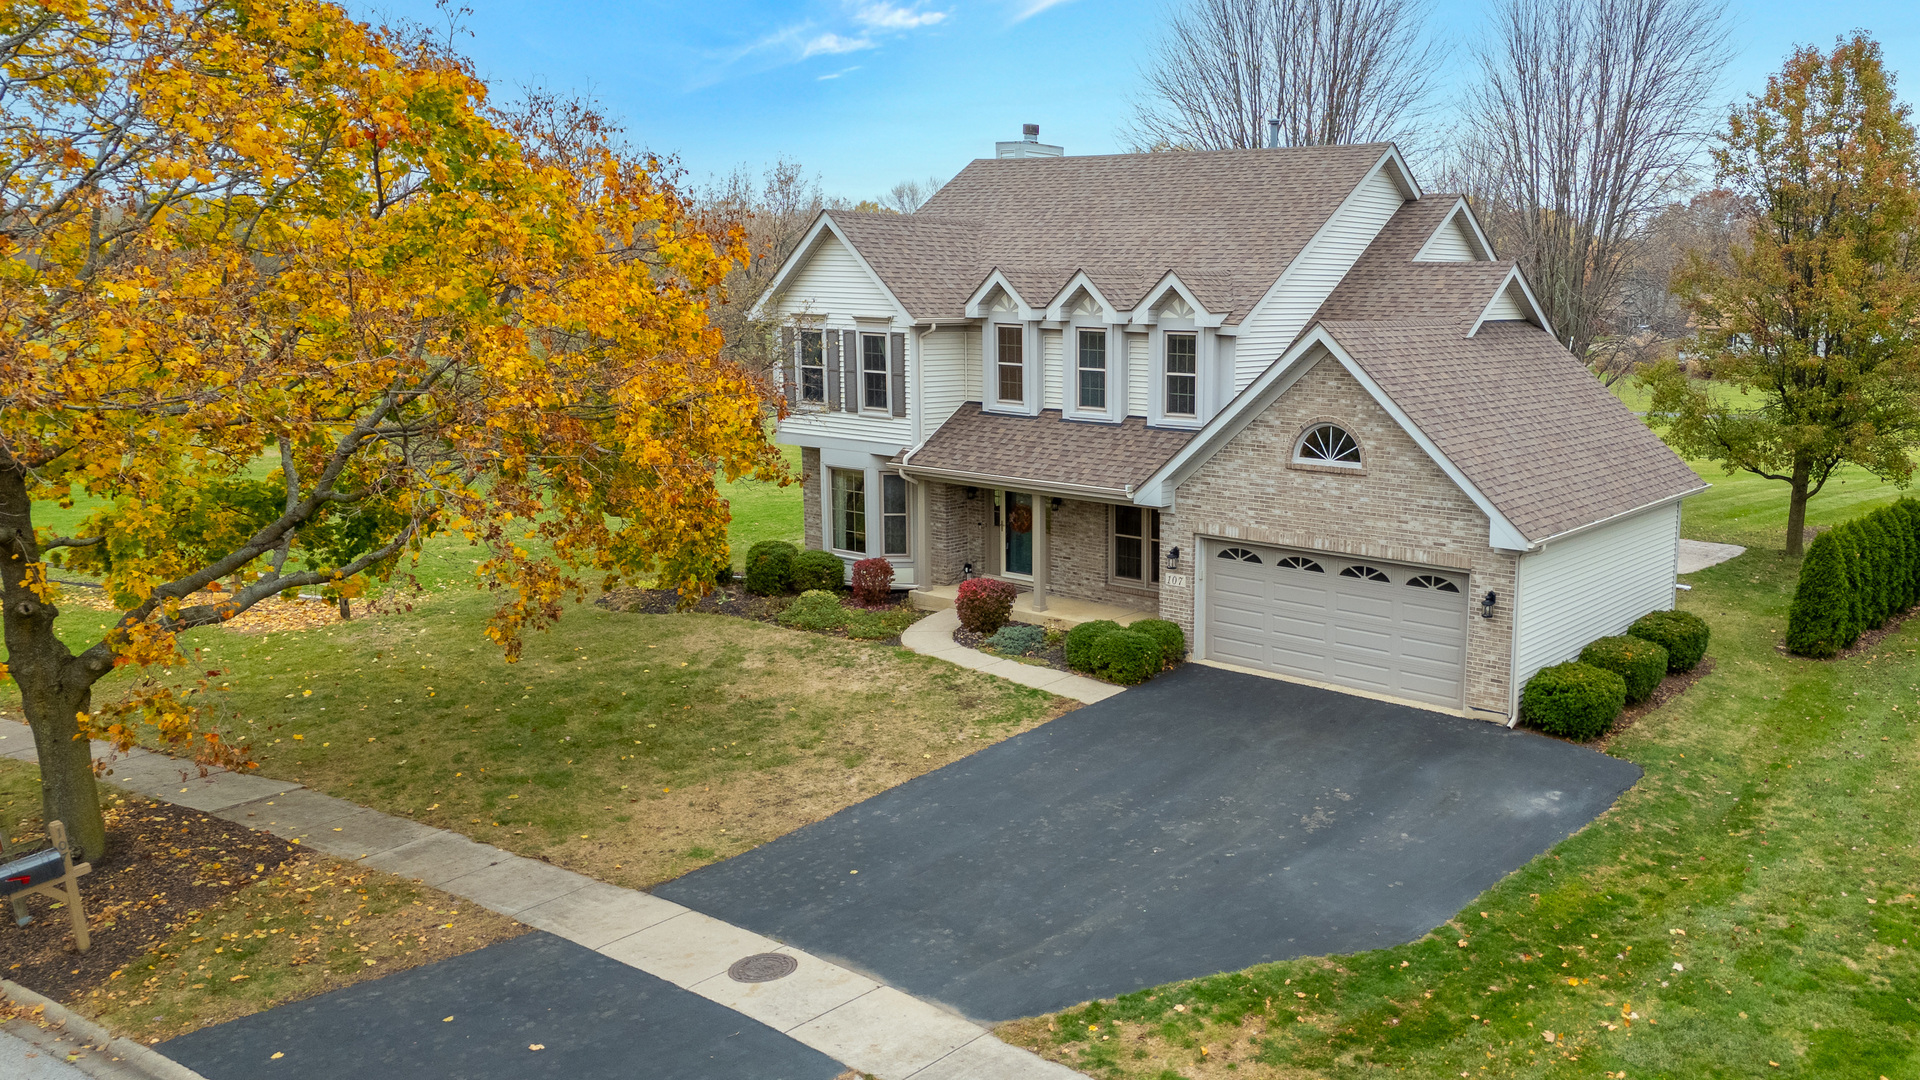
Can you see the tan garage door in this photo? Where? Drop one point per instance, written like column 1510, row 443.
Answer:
column 1375, row 626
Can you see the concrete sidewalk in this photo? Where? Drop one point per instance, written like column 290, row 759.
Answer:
column 852, row 1018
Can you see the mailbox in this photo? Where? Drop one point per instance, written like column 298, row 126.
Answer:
column 38, row 868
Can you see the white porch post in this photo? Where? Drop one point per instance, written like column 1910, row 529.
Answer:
column 1041, row 555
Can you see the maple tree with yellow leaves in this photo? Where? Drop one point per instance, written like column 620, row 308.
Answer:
column 242, row 231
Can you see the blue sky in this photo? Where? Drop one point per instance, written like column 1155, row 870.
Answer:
column 868, row 92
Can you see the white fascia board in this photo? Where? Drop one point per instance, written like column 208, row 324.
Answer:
column 813, row 439
column 1623, row 515
column 1028, row 313
column 804, row 251
column 1279, row 376
column 1056, row 310
column 1143, row 315
column 1461, row 212
column 1514, row 278
column 1402, row 178
column 1017, row 483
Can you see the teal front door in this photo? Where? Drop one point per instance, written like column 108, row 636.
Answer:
column 1019, row 531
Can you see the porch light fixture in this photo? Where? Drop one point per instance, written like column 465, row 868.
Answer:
column 1486, row 605
column 1056, row 502
column 973, row 493
column 1173, row 558
column 966, row 571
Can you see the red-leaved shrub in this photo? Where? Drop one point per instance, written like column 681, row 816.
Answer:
column 872, row 582
column 984, row 604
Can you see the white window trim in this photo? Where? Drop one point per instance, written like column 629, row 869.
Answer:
column 906, row 515
column 1148, row 565
column 1070, row 375
column 1157, row 389
column 1031, row 384
column 861, row 334
column 1319, row 463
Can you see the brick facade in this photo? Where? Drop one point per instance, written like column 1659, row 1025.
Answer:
column 959, row 526
column 1400, row 507
column 963, row 530
column 810, row 496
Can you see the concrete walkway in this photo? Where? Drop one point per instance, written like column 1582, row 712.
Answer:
column 933, row 636
column 854, row 1019
column 1697, row 555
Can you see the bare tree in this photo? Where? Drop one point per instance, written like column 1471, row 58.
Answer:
column 774, row 208
column 906, row 196
column 1647, row 321
column 1331, row 71
column 1585, row 122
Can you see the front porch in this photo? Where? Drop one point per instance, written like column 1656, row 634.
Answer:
column 1062, row 612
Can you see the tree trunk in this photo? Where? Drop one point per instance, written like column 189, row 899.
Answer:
column 54, row 684
column 1797, row 508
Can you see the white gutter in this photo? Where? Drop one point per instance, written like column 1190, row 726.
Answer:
column 1654, row 505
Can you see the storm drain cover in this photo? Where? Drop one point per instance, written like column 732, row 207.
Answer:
column 762, row 967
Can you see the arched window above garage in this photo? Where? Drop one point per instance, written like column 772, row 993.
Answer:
column 1327, row 444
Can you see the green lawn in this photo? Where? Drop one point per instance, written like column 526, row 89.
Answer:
column 1638, row 397
column 1769, row 852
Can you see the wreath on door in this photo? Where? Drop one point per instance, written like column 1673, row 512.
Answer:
column 1020, row 519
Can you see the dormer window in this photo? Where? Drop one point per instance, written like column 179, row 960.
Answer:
column 1183, row 373
column 1091, row 371
column 1010, row 364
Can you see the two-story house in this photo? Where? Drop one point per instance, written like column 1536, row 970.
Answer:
column 1283, row 397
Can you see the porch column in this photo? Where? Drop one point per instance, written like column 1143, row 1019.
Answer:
column 1041, row 555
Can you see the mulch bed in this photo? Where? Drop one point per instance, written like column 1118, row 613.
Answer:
column 164, row 866
column 723, row 600
column 1670, row 687
column 1053, row 656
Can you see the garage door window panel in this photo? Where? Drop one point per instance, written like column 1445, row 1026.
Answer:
column 1365, row 573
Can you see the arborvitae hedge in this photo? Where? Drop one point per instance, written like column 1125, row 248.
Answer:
column 1855, row 577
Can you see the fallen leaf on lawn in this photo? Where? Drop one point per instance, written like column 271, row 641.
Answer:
column 277, row 1055
column 536, row 1046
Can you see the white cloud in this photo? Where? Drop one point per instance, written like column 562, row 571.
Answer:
column 885, row 16
column 1034, row 7
column 833, row 44
column 837, row 74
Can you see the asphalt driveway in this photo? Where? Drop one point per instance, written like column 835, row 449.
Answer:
column 1204, row 822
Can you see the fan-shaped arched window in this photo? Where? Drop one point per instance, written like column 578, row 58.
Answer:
column 1430, row 581
column 1238, row 555
column 1300, row 562
column 1328, row 444
column 1364, row 572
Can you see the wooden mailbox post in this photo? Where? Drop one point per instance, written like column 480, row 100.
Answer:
column 51, row 873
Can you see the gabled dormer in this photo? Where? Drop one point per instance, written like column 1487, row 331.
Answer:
column 1457, row 239
column 1093, row 351
column 1187, row 381
column 1512, row 301
column 1011, row 380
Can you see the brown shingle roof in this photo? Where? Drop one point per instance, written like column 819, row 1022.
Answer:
column 1048, row 451
column 1228, row 222
column 1385, row 283
column 1526, row 423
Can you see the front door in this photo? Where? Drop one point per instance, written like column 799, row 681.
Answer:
column 1019, row 532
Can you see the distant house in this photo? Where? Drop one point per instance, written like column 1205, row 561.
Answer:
column 1284, row 398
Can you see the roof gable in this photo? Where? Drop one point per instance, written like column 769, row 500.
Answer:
column 1457, row 238
column 824, row 231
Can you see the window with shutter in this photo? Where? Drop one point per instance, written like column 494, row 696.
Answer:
column 813, row 367
column 873, row 372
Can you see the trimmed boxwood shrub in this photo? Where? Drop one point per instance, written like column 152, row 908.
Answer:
column 1573, row 700
column 816, row 569
column 814, row 610
column 1081, row 639
column 769, row 570
column 1641, row 663
column 1172, row 642
column 872, row 582
column 1127, row 657
column 1682, row 633
column 984, row 604
column 1017, row 639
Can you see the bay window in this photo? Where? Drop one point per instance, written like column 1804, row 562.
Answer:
column 850, row 509
column 893, row 515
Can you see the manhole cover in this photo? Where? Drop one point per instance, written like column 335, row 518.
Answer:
column 762, row 967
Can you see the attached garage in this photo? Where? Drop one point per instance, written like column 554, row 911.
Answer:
column 1376, row 626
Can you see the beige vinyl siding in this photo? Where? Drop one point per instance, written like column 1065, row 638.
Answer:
column 1306, row 284
column 1508, row 306
column 950, row 373
column 1050, row 370
column 834, row 284
column 1449, row 244
column 1138, row 377
column 1594, row 584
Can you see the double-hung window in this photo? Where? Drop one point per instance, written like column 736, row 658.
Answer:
column 893, row 515
column 1010, row 364
column 850, row 509
column 1092, row 370
column 813, row 367
column 1183, row 368
column 1136, row 544
column 873, row 371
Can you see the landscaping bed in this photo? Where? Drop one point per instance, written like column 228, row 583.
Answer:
column 195, row 920
column 883, row 623
column 1053, row 654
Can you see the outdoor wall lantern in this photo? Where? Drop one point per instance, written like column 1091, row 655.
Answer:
column 966, row 571
column 1173, row 559
column 1056, row 503
column 1486, row 605
column 973, row 493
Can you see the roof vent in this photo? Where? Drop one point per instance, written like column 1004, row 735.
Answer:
column 1273, row 133
column 1028, row 146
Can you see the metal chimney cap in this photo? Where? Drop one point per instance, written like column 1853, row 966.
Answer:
column 1030, row 132
column 1273, row 133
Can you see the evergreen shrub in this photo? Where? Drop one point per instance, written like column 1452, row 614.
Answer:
column 1640, row 662
column 1080, row 641
column 1127, row 657
column 1018, row 639
column 1573, row 700
column 1854, row 578
column 814, row 610
column 1172, row 642
column 816, row 569
column 1682, row 633
column 769, row 569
